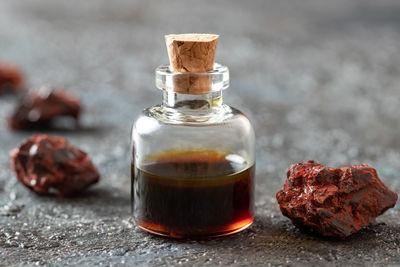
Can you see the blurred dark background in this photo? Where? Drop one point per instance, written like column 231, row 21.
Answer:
column 319, row 80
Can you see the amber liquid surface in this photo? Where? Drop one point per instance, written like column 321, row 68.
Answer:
column 193, row 194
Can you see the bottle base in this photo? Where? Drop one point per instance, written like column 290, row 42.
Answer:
column 165, row 232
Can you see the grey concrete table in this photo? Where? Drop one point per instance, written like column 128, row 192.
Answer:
column 319, row 79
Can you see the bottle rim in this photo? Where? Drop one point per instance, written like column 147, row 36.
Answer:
column 216, row 79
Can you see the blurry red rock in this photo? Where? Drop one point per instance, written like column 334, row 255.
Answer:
column 11, row 79
column 44, row 162
column 334, row 202
column 40, row 107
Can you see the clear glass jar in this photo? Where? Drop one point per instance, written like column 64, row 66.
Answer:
column 192, row 161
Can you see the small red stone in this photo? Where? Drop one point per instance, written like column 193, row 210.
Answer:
column 40, row 107
column 334, row 202
column 44, row 162
column 11, row 79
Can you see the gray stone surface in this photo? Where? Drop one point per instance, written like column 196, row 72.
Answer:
column 320, row 80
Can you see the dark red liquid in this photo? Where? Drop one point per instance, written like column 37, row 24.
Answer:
column 190, row 194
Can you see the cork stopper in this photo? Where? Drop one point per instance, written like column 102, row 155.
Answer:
column 192, row 53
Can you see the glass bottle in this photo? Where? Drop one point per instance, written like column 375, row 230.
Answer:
column 192, row 161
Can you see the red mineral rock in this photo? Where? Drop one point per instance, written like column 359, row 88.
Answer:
column 39, row 108
column 11, row 79
column 334, row 202
column 44, row 162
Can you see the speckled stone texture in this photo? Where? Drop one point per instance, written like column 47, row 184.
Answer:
column 319, row 79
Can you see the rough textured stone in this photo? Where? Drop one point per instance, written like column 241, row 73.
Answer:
column 44, row 163
column 12, row 79
column 41, row 107
column 334, row 202
column 319, row 79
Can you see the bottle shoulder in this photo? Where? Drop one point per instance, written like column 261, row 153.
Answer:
column 232, row 132
column 219, row 115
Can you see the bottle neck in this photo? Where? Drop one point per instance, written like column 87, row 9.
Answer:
column 192, row 102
